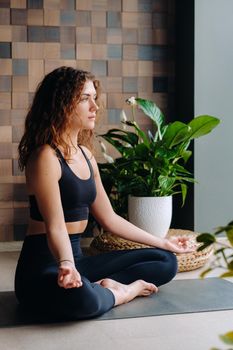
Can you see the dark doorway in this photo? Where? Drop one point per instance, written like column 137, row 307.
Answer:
column 183, row 217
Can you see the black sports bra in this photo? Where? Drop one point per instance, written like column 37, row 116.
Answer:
column 76, row 194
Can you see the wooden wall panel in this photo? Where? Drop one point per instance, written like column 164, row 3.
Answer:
column 124, row 43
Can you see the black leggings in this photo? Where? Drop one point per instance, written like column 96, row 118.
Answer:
column 36, row 277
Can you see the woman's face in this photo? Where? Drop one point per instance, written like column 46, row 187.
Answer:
column 85, row 111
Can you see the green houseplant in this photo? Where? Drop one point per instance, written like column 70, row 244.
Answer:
column 151, row 164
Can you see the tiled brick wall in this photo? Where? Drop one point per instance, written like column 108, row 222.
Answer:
column 128, row 44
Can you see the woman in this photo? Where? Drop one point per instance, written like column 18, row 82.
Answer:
column 63, row 182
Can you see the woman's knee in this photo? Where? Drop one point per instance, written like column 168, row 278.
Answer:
column 171, row 265
column 164, row 267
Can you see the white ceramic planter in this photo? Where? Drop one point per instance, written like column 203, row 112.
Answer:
column 152, row 214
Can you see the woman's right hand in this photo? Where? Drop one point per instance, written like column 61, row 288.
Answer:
column 179, row 244
column 68, row 276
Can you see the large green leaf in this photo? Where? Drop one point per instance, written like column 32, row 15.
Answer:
column 118, row 145
column 152, row 111
column 125, row 136
column 176, row 133
column 202, row 125
column 140, row 132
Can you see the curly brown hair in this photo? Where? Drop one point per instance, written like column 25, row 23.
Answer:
column 48, row 117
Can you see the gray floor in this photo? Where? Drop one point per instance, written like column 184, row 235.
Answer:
column 197, row 331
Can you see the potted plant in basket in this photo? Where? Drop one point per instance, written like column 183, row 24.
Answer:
column 152, row 165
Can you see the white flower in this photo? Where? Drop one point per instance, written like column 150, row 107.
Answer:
column 103, row 147
column 108, row 158
column 131, row 101
column 123, row 117
column 151, row 137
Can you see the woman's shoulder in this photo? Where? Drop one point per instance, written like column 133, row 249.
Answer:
column 87, row 152
column 43, row 165
column 43, row 155
column 90, row 156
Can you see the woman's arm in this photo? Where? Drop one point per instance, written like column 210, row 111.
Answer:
column 43, row 173
column 110, row 221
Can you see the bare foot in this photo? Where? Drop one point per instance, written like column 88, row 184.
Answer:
column 124, row 293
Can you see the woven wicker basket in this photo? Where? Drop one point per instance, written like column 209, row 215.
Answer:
column 107, row 241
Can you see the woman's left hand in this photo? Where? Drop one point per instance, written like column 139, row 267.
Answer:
column 178, row 244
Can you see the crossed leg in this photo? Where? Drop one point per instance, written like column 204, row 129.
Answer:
column 124, row 293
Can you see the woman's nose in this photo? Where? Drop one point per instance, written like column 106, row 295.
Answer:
column 94, row 105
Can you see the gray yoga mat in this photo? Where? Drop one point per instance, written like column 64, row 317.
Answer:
column 176, row 297
column 179, row 297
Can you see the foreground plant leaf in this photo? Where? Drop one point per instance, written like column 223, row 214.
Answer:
column 205, row 272
column 226, row 274
column 229, row 233
column 207, row 239
column 227, row 338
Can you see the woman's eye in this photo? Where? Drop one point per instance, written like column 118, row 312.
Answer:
column 84, row 99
